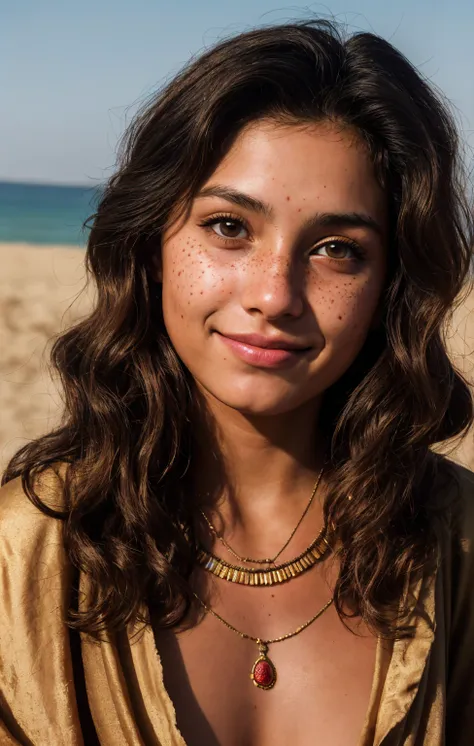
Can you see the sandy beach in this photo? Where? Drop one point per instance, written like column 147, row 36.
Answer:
column 40, row 295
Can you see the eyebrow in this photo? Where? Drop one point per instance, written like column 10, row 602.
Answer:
column 336, row 219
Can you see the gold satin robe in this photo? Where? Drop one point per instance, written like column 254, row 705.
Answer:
column 59, row 688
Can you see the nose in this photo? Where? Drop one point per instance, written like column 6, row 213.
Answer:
column 272, row 288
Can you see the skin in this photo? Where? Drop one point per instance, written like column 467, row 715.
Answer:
column 273, row 278
column 274, row 274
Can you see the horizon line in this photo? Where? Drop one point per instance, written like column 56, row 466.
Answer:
column 39, row 182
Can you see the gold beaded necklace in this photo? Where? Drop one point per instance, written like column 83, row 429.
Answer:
column 316, row 551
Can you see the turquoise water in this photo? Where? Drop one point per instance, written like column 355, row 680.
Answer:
column 45, row 214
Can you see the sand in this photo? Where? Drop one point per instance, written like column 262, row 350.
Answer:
column 40, row 295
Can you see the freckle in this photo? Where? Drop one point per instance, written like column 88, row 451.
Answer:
column 299, row 209
column 202, row 292
column 182, row 316
column 340, row 318
column 287, row 198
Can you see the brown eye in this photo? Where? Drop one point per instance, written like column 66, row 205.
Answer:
column 228, row 228
column 339, row 250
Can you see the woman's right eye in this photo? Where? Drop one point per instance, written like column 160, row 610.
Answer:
column 226, row 228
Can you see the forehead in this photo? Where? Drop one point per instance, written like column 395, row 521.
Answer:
column 324, row 164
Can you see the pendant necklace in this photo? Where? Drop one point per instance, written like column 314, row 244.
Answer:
column 264, row 673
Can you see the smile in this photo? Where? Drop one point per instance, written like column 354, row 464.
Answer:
column 264, row 352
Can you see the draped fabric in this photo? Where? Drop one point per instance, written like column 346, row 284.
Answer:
column 60, row 687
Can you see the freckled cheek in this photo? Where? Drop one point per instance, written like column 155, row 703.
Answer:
column 345, row 310
column 192, row 279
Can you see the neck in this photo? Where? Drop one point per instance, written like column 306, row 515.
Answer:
column 259, row 470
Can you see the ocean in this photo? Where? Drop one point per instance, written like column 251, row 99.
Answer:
column 45, row 214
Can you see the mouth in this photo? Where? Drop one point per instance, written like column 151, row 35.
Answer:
column 265, row 352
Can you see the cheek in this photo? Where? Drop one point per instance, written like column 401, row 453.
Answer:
column 345, row 308
column 192, row 283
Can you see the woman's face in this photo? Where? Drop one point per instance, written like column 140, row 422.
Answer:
column 271, row 283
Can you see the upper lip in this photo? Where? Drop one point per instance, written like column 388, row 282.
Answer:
column 271, row 343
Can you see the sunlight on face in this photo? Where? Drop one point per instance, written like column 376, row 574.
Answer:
column 271, row 284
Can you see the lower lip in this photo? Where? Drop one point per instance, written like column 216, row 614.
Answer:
column 263, row 357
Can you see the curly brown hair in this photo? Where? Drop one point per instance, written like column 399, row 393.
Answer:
column 127, row 427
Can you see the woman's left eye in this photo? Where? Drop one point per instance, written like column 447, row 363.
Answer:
column 339, row 249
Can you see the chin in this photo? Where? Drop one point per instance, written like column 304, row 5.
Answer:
column 260, row 401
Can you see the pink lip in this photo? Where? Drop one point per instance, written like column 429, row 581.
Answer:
column 264, row 352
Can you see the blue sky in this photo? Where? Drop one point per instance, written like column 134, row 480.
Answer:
column 72, row 72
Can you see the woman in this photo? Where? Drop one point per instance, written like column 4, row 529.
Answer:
column 239, row 533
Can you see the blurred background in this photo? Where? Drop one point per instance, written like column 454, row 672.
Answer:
column 72, row 75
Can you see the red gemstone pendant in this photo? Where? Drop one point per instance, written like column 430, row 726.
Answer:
column 263, row 671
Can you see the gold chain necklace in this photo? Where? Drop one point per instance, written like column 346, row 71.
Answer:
column 316, row 551
column 263, row 673
column 268, row 560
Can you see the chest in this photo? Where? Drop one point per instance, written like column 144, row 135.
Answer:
column 324, row 673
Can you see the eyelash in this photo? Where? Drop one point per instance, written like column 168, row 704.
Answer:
column 359, row 253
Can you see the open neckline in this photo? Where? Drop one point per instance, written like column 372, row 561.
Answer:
column 370, row 717
column 390, row 697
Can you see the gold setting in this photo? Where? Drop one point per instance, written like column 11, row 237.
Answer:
column 264, row 657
